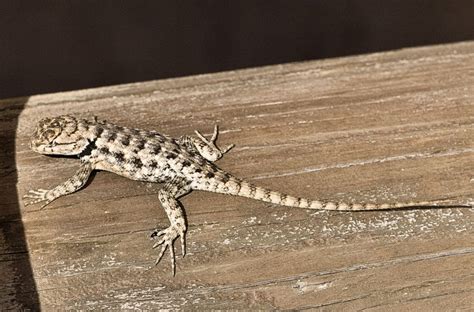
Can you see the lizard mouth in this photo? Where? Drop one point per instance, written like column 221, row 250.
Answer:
column 66, row 148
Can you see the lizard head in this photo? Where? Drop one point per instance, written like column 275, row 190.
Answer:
column 58, row 136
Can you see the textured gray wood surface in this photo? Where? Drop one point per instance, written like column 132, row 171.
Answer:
column 381, row 127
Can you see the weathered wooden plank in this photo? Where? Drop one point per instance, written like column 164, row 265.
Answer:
column 381, row 127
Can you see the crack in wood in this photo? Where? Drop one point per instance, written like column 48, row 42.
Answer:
column 420, row 155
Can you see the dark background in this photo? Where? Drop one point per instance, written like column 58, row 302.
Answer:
column 48, row 46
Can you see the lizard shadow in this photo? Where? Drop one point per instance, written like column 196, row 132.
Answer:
column 19, row 290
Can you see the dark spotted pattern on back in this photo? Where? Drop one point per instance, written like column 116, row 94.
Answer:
column 171, row 155
column 136, row 161
column 125, row 140
column 112, row 136
column 156, row 149
column 119, row 156
column 104, row 150
column 134, row 132
column 141, row 145
column 98, row 131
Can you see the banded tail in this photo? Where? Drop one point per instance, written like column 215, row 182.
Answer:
column 238, row 187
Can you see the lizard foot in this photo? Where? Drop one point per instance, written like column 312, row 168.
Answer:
column 213, row 152
column 168, row 236
column 37, row 196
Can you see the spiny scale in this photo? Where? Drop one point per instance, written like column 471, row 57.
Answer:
column 183, row 164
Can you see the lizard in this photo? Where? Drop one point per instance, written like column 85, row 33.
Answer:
column 181, row 164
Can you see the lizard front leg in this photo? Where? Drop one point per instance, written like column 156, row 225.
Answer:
column 168, row 198
column 73, row 184
column 207, row 148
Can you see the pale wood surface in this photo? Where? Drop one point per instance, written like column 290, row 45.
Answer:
column 382, row 127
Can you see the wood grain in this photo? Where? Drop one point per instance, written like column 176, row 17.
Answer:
column 392, row 126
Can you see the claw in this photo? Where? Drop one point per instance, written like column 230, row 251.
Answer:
column 215, row 134
column 201, row 136
column 163, row 249
column 170, row 235
column 183, row 245
column 158, row 243
column 156, row 234
column 173, row 260
column 228, row 148
column 213, row 139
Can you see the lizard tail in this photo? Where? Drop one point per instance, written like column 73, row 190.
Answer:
column 245, row 189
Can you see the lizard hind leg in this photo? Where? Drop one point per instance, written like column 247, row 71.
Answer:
column 207, row 148
column 168, row 198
